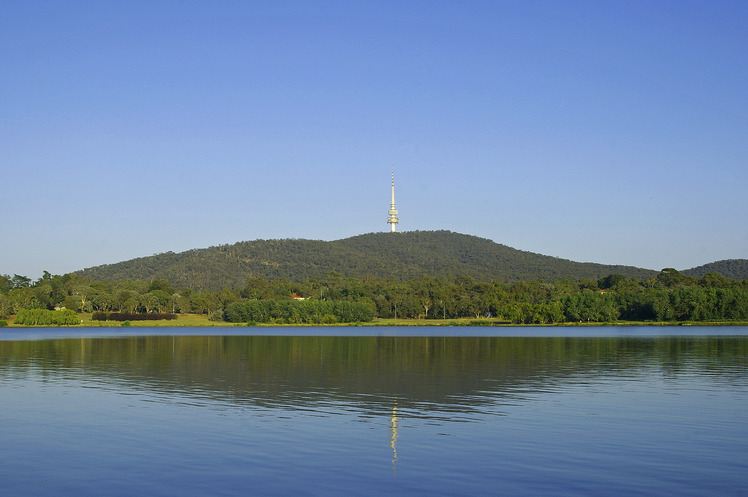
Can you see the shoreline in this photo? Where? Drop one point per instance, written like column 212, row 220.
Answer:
column 202, row 321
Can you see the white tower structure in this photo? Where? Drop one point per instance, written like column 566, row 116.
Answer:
column 393, row 219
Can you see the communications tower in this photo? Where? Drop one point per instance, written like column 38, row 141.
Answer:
column 393, row 219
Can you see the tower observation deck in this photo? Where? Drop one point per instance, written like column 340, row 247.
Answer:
column 393, row 219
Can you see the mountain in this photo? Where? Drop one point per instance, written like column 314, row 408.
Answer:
column 382, row 255
column 736, row 269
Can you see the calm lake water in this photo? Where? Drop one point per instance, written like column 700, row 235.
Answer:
column 372, row 411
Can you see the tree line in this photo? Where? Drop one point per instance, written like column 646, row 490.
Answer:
column 669, row 296
column 298, row 312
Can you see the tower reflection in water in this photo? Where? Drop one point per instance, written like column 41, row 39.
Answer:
column 393, row 437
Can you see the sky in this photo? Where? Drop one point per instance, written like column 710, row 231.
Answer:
column 597, row 131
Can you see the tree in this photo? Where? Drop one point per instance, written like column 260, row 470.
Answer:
column 518, row 313
column 131, row 304
column 163, row 299
column 661, row 306
column 588, row 284
column 5, row 306
column 162, row 285
column 551, row 312
column 81, row 294
column 181, row 302
column 205, row 302
column 670, row 278
column 149, row 301
column 591, row 306
column 19, row 281
column 256, row 289
column 24, row 298
column 5, row 284
column 227, row 297
column 610, row 281
column 426, row 290
column 103, row 301
column 715, row 280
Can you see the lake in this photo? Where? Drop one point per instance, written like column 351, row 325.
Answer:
column 371, row 411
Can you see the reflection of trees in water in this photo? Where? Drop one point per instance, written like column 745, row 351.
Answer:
column 450, row 375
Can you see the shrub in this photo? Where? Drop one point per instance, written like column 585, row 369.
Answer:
column 44, row 317
column 126, row 316
column 217, row 316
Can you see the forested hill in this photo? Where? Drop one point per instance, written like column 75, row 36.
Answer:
column 737, row 269
column 381, row 255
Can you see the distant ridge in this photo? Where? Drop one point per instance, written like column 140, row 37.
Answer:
column 736, row 269
column 400, row 256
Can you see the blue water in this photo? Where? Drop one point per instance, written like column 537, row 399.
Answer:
column 611, row 411
column 44, row 333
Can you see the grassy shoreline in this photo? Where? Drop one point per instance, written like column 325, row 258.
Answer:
column 201, row 320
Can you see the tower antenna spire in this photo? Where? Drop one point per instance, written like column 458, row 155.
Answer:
column 393, row 219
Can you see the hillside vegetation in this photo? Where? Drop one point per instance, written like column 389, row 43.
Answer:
column 400, row 256
column 416, row 275
column 736, row 269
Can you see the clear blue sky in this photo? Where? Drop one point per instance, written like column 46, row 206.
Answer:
column 612, row 132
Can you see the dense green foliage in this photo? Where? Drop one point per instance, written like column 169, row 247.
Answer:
column 44, row 317
column 668, row 296
column 129, row 316
column 400, row 256
column 298, row 312
column 736, row 269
